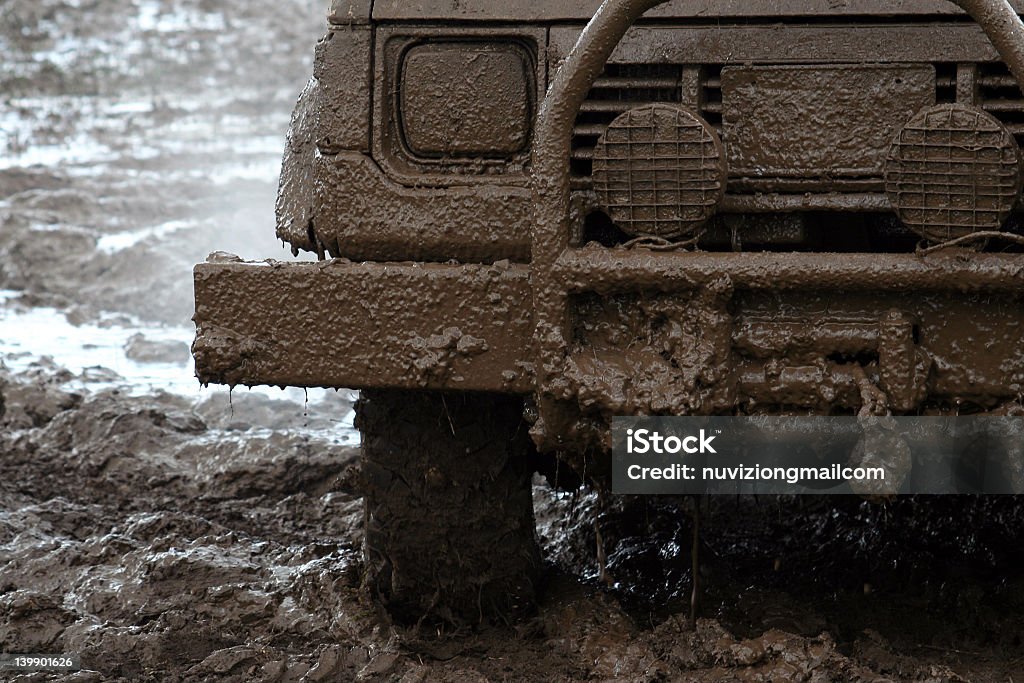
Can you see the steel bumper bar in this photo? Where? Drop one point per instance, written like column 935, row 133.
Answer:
column 608, row 271
column 469, row 327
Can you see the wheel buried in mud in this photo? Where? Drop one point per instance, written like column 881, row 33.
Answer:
column 449, row 526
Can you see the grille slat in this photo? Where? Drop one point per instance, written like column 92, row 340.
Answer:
column 1001, row 96
column 589, row 129
column 1003, row 105
column 996, row 81
column 613, row 106
column 636, row 83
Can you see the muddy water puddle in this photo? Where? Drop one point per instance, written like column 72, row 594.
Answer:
column 98, row 354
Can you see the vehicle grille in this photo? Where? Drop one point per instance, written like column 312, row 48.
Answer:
column 620, row 88
column 1001, row 97
column 625, row 86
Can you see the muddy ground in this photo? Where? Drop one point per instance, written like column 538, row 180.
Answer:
column 171, row 534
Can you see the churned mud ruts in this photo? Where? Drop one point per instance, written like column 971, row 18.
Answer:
column 168, row 535
column 167, row 541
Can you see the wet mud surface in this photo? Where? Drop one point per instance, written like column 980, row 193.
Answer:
column 170, row 534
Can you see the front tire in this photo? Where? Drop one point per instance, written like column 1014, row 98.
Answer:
column 449, row 526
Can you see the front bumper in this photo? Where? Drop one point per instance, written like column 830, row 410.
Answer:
column 770, row 322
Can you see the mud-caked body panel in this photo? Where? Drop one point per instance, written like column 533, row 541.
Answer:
column 806, row 99
column 376, row 219
column 584, row 10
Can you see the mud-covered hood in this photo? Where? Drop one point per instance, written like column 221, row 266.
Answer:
column 530, row 10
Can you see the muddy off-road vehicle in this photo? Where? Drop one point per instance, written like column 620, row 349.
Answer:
column 534, row 216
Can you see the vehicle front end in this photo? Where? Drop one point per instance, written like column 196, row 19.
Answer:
column 751, row 206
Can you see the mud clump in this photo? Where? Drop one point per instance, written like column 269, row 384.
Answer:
column 34, row 399
column 158, row 547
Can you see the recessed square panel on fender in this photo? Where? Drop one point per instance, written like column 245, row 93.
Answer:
column 815, row 121
column 466, row 99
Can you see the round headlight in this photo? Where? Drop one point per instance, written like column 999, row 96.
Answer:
column 953, row 170
column 659, row 171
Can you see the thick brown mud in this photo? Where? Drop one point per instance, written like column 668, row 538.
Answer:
column 168, row 536
column 166, row 541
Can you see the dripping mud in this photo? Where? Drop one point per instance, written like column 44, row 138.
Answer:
column 168, row 533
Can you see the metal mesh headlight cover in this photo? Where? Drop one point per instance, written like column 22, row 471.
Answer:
column 659, row 170
column 953, row 170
